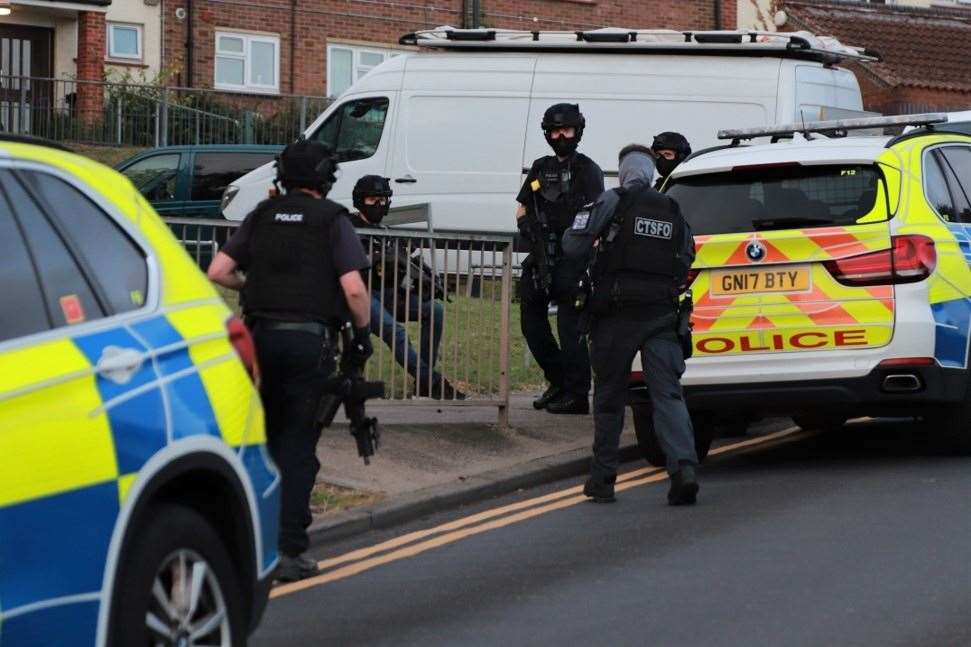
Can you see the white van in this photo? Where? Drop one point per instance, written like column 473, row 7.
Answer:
column 455, row 123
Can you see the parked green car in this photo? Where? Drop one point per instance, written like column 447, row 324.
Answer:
column 188, row 181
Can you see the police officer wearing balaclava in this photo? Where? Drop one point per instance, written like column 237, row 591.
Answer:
column 397, row 297
column 640, row 248
column 555, row 188
column 302, row 265
column 670, row 149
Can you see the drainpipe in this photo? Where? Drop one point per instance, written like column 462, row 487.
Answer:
column 470, row 14
column 293, row 43
column 189, row 43
column 718, row 14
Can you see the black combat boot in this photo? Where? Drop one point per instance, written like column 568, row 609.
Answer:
column 600, row 489
column 568, row 403
column 684, row 486
column 551, row 393
column 292, row 569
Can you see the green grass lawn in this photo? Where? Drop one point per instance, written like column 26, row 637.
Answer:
column 107, row 155
column 469, row 352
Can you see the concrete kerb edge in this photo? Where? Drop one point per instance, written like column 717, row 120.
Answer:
column 449, row 496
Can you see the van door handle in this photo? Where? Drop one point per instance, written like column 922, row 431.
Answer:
column 119, row 364
column 405, row 180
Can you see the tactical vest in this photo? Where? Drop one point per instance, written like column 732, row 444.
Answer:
column 639, row 266
column 291, row 274
column 561, row 194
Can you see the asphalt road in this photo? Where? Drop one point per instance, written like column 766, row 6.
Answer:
column 860, row 537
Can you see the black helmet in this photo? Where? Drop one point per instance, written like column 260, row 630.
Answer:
column 672, row 141
column 306, row 164
column 563, row 115
column 370, row 186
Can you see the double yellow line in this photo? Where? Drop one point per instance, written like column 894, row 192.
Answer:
column 392, row 550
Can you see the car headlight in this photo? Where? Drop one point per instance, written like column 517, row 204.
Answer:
column 228, row 196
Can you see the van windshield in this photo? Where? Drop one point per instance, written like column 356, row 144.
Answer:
column 781, row 197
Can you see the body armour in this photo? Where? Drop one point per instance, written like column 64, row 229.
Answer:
column 641, row 261
column 562, row 189
column 291, row 275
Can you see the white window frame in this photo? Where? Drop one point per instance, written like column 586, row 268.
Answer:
column 139, row 41
column 246, row 57
column 356, row 66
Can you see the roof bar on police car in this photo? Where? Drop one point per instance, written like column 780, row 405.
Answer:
column 834, row 125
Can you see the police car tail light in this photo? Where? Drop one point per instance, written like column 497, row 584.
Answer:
column 909, row 259
column 242, row 342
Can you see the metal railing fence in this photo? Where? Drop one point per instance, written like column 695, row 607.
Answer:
column 129, row 114
column 441, row 306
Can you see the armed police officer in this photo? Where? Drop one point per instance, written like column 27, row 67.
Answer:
column 640, row 248
column 670, row 149
column 302, row 265
column 397, row 297
column 555, row 188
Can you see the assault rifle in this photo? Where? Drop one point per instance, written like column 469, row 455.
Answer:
column 685, row 307
column 411, row 269
column 350, row 388
column 543, row 247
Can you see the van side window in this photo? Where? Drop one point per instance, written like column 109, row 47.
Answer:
column 117, row 264
column 935, row 189
column 958, row 158
column 23, row 311
column 212, row 172
column 354, row 130
column 70, row 300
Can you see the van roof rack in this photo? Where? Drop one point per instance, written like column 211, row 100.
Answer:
column 833, row 128
column 799, row 44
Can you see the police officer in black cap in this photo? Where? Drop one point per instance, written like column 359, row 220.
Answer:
column 641, row 249
column 555, row 188
column 302, row 265
column 670, row 149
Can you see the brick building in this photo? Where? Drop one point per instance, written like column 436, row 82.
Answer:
column 319, row 47
column 925, row 62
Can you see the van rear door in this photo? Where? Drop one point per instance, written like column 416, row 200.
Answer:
column 793, row 258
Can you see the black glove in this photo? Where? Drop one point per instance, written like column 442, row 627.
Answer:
column 361, row 347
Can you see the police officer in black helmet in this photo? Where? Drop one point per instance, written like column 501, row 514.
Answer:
column 670, row 149
column 302, row 265
column 641, row 249
column 555, row 188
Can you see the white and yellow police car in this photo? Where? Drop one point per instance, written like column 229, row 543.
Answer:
column 138, row 504
column 831, row 278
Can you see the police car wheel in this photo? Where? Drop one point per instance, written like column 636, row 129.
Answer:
column 820, row 421
column 647, row 442
column 176, row 585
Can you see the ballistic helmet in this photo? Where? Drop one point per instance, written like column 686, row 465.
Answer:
column 306, row 164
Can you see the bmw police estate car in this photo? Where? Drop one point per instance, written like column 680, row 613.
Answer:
column 138, row 504
column 831, row 278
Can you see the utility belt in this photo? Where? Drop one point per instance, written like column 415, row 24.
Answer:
column 630, row 291
column 257, row 324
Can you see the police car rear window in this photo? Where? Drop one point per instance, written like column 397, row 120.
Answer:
column 761, row 198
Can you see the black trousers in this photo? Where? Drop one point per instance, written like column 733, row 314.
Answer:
column 566, row 365
column 294, row 368
column 616, row 339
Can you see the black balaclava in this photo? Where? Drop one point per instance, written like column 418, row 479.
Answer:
column 372, row 186
column 563, row 115
column 670, row 141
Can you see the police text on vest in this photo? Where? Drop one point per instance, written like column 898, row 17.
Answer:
column 288, row 217
column 653, row 228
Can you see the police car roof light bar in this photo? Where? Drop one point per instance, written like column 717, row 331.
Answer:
column 757, row 43
column 833, row 126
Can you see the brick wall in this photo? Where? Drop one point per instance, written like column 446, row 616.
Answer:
column 384, row 21
column 90, row 64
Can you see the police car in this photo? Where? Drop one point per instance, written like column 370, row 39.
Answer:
column 138, row 503
column 831, row 278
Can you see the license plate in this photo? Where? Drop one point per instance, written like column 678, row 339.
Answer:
column 726, row 283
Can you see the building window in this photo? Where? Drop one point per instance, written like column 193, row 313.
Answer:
column 124, row 41
column 346, row 64
column 247, row 63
